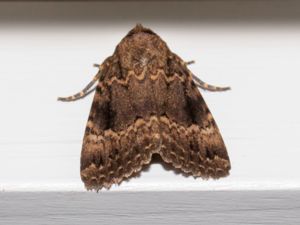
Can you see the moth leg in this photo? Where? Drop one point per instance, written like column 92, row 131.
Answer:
column 85, row 92
column 208, row 87
column 190, row 62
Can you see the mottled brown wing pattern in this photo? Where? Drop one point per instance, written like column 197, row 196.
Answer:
column 146, row 103
column 191, row 138
column 121, row 133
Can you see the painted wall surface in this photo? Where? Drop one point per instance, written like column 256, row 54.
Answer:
column 48, row 49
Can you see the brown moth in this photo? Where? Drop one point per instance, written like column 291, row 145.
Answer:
column 147, row 102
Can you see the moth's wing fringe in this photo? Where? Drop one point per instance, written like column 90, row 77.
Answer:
column 114, row 156
column 195, row 151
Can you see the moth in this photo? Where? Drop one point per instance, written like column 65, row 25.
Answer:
column 147, row 102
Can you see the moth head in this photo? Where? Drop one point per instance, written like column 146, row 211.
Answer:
column 141, row 47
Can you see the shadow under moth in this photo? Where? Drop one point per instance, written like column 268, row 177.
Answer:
column 147, row 102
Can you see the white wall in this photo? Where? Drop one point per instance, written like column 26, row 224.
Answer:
column 47, row 50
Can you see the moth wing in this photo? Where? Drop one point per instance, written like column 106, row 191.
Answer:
column 118, row 142
column 191, row 139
